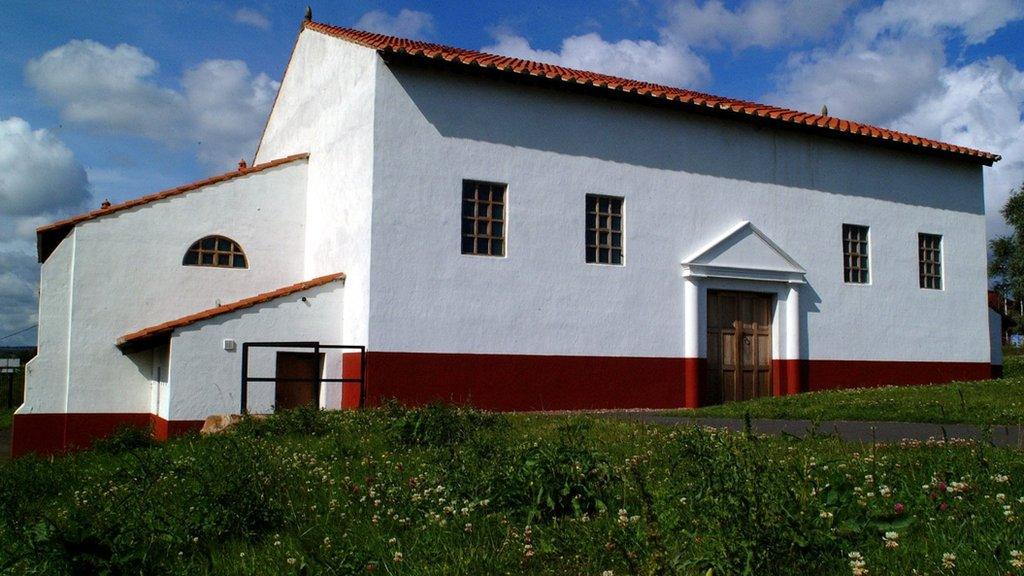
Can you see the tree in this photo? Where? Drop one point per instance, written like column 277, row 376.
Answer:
column 1006, row 266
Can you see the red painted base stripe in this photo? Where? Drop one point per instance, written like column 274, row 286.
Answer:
column 526, row 382
column 46, row 434
column 522, row 382
column 839, row 374
column 351, row 367
column 164, row 429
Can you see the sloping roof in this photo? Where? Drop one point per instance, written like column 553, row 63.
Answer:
column 551, row 74
column 49, row 236
column 141, row 339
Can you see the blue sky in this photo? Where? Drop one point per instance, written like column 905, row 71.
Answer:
column 112, row 100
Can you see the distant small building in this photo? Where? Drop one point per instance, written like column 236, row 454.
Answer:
column 1003, row 307
column 516, row 236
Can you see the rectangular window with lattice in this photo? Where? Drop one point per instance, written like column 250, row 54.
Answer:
column 604, row 230
column 483, row 218
column 855, row 254
column 929, row 254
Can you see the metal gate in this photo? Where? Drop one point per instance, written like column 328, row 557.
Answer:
column 12, row 383
column 317, row 376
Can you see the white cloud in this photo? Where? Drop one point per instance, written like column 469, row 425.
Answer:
column 637, row 59
column 107, row 88
column 974, row 20
column 762, row 23
column 227, row 107
column 40, row 179
column 251, row 17
column 891, row 69
column 980, row 105
column 870, row 83
column 221, row 109
column 407, row 23
column 38, row 173
column 19, row 283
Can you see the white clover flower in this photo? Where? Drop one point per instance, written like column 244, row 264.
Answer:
column 891, row 539
column 857, row 564
column 949, row 561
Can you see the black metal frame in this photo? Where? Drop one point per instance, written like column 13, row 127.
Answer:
column 317, row 377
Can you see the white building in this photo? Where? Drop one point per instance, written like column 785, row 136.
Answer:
column 516, row 236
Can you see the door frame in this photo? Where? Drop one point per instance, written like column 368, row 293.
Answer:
column 787, row 332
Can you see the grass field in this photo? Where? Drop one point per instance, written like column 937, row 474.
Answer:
column 5, row 418
column 988, row 402
column 441, row 491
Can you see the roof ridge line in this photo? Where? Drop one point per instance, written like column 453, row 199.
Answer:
column 244, row 303
column 169, row 192
column 738, row 108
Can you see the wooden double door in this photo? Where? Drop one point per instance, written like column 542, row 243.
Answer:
column 739, row 346
column 298, row 380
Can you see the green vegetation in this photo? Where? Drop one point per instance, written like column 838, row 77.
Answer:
column 998, row 401
column 6, row 415
column 444, row 491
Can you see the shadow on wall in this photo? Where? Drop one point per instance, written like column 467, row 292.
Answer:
column 664, row 139
column 810, row 302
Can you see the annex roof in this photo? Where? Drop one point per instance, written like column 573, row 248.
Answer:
column 49, row 236
column 145, row 338
column 423, row 52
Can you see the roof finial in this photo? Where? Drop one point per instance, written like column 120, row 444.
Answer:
column 824, row 109
column 242, row 165
column 105, row 204
column 309, row 13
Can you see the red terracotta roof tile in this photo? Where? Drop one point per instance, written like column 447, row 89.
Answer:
column 135, row 339
column 49, row 236
column 429, row 51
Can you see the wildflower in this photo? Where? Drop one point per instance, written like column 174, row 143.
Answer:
column 291, row 560
column 857, row 564
column 949, row 561
column 825, row 515
column 1001, row 478
column 885, row 491
column 608, row 573
column 898, row 508
column 392, row 541
column 468, row 527
column 623, row 517
column 1000, row 497
column 1016, row 559
column 891, row 539
column 398, row 556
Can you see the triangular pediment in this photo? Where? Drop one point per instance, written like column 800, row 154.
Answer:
column 743, row 248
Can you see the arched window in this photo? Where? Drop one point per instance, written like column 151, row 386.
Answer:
column 215, row 251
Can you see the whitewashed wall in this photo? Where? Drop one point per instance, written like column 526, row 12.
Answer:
column 126, row 274
column 46, row 375
column 205, row 379
column 686, row 179
column 325, row 107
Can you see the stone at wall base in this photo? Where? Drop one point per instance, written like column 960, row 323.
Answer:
column 218, row 423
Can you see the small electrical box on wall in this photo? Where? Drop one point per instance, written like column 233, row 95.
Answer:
column 229, row 345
